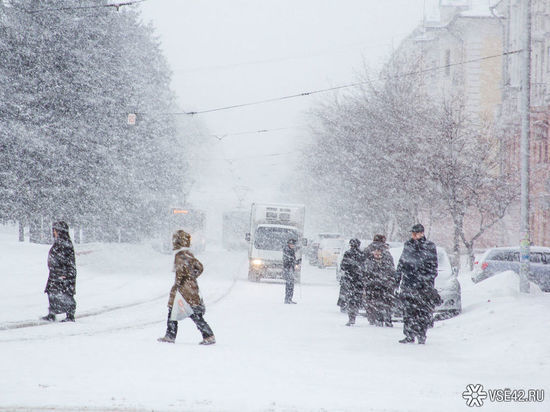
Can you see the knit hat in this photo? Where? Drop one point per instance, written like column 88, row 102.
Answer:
column 181, row 239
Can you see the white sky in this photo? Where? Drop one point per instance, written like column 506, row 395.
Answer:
column 226, row 52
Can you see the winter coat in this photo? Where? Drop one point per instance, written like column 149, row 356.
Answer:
column 62, row 267
column 376, row 245
column 188, row 269
column 380, row 273
column 352, row 281
column 417, row 270
column 289, row 258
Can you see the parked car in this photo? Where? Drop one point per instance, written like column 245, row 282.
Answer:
column 313, row 247
column 328, row 252
column 502, row 259
column 446, row 283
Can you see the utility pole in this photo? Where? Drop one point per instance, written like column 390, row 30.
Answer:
column 525, row 148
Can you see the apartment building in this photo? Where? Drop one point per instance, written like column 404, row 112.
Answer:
column 511, row 13
column 464, row 39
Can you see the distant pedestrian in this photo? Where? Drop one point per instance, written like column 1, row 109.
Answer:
column 380, row 282
column 416, row 271
column 61, row 285
column 188, row 269
column 289, row 266
column 352, row 282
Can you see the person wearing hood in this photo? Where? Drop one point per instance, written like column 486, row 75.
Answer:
column 416, row 272
column 188, row 268
column 381, row 282
column 61, row 285
column 352, row 281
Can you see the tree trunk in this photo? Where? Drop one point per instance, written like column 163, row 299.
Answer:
column 456, row 247
column 21, row 231
column 471, row 256
column 34, row 230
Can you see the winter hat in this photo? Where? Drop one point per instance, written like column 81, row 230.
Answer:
column 379, row 238
column 60, row 226
column 291, row 241
column 418, row 228
column 181, row 239
column 355, row 243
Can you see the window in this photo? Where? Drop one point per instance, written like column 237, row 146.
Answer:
column 497, row 255
column 535, row 258
column 273, row 238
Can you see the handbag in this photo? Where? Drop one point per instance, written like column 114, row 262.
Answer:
column 181, row 309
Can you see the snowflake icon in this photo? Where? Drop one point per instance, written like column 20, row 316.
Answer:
column 474, row 395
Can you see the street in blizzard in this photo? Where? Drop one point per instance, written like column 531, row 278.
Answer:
column 274, row 206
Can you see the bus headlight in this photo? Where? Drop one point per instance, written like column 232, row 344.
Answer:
column 257, row 262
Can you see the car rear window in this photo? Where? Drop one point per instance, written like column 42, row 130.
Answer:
column 497, row 255
column 504, row 255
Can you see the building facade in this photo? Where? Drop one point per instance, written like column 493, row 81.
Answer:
column 512, row 12
column 464, row 41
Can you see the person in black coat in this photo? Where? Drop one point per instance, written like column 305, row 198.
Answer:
column 380, row 283
column 352, row 282
column 416, row 272
column 289, row 265
column 61, row 285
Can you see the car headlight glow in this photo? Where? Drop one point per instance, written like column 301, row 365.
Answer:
column 257, row 262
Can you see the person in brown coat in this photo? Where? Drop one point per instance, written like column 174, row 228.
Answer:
column 380, row 283
column 188, row 269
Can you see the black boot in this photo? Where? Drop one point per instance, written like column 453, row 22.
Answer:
column 69, row 318
column 421, row 340
column 49, row 317
column 407, row 339
column 171, row 329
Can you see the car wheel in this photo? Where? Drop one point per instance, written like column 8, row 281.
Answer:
column 253, row 276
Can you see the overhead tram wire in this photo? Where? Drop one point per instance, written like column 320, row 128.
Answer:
column 221, row 136
column 345, row 86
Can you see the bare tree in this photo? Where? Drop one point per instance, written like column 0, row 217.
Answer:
column 390, row 151
column 464, row 167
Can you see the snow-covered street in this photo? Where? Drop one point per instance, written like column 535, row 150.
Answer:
column 168, row 159
column 269, row 356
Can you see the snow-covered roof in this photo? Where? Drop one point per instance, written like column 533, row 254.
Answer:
column 479, row 8
column 436, row 17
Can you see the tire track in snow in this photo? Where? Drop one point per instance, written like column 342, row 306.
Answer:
column 140, row 325
column 33, row 323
